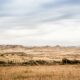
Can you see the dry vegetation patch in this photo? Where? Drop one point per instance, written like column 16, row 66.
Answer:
column 56, row 72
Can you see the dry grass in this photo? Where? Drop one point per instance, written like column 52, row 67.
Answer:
column 21, row 54
column 56, row 72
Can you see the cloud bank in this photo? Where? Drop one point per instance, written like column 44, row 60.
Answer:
column 40, row 22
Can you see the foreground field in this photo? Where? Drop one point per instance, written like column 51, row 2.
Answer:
column 55, row 72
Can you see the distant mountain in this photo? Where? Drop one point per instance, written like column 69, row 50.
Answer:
column 11, row 46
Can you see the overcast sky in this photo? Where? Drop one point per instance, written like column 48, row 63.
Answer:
column 40, row 22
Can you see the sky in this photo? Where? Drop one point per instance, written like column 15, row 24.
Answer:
column 40, row 22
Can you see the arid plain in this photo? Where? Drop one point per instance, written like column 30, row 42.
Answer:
column 38, row 63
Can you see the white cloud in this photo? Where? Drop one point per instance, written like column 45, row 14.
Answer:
column 61, row 32
column 40, row 22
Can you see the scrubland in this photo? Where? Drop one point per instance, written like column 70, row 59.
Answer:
column 39, row 63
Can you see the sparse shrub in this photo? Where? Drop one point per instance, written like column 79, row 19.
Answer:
column 1, row 54
column 31, row 62
column 56, row 62
column 2, row 62
column 10, row 62
column 35, row 62
column 67, row 61
column 42, row 62
column 75, row 61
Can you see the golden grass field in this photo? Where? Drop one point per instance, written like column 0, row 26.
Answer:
column 55, row 72
column 13, row 57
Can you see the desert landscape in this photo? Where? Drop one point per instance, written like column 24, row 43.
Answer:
column 19, row 62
